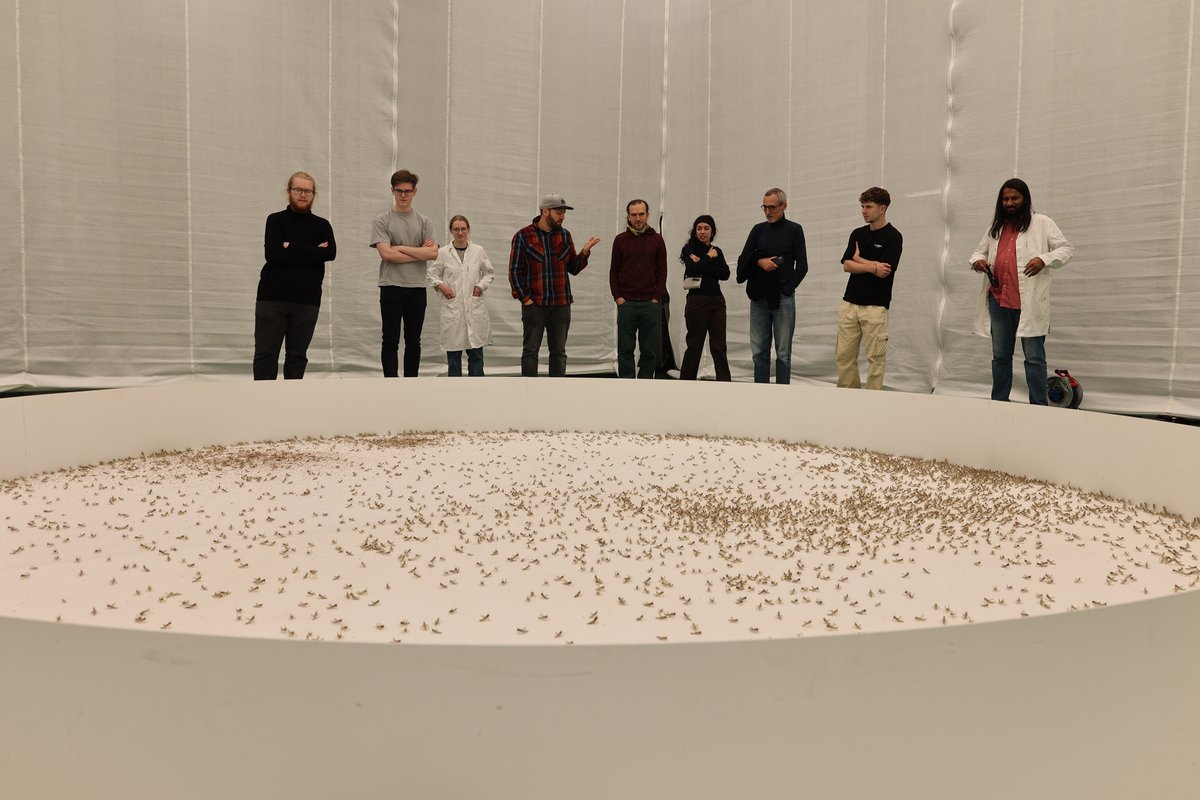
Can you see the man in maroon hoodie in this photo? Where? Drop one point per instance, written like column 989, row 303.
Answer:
column 638, row 278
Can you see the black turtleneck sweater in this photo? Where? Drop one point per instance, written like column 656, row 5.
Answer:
column 294, row 274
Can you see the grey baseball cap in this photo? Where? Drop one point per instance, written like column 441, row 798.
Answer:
column 555, row 201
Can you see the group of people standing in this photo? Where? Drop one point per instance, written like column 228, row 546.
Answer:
column 1014, row 255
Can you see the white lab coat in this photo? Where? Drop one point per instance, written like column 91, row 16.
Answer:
column 465, row 321
column 1043, row 240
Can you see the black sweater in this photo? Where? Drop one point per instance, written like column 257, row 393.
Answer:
column 294, row 274
column 784, row 239
column 709, row 270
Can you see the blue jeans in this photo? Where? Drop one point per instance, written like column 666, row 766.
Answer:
column 474, row 362
column 1004, row 342
column 782, row 323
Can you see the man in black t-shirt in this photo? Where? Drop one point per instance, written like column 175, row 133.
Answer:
column 871, row 258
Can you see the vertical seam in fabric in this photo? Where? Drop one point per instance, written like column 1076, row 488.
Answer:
column 21, row 193
column 708, row 121
column 1020, row 69
column 395, row 83
column 791, row 87
column 187, row 127
column 662, row 157
column 937, row 366
column 883, row 110
column 620, row 98
column 1187, row 119
column 537, row 166
column 449, row 105
column 329, row 180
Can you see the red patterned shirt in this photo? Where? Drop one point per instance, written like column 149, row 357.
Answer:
column 539, row 263
column 1008, row 293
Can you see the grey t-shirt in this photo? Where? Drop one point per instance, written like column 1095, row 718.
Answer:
column 411, row 230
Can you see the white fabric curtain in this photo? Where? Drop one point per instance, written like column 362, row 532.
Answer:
column 147, row 140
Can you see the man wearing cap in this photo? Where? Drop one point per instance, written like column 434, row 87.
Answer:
column 540, row 264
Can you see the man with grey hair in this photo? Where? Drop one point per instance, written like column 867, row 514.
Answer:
column 772, row 264
column 540, row 264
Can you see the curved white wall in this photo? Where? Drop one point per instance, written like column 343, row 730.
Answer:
column 1095, row 703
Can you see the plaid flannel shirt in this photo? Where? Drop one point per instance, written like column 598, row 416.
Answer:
column 539, row 263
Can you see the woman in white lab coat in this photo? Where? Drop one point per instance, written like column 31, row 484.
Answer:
column 461, row 274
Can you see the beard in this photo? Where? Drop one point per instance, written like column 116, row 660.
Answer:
column 1013, row 211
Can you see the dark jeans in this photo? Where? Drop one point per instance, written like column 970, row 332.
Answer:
column 552, row 320
column 276, row 324
column 1004, row 342
column 401, row 304
column 637, row 319
column 704, row 315
column 474, row 362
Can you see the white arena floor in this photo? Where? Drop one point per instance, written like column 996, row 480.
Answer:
column 566, row 537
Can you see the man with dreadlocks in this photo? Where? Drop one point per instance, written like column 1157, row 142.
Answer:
column 1015, row 300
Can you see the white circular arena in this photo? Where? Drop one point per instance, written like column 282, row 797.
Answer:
column 582, row 587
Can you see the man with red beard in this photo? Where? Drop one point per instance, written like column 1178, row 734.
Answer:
column 298, row 244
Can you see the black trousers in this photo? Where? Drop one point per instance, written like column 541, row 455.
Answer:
column 704, row 316
column 278, row 324
column 538, row 320
column 397, row 305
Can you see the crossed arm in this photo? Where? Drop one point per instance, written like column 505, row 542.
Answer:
column 857, row 264
column 403, row 253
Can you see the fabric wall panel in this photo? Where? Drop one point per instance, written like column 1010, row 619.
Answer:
column 259, row 99
column 376, row 51
column 640, row 155
column 1080, row 126
column 1105, row 160
column 12, row 279
column 750, row 134
column 105, row 191
column 163, row 133
column 1183, row 309
column 579, row 142
column 686, row 159
column 493, row 146
column 913, row 162
column 836, row 151
column 982, row 95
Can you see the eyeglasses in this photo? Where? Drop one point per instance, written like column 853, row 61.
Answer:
column 404, row 192
column 459, row 230
column 302, row 192
column 771, row 208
